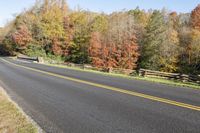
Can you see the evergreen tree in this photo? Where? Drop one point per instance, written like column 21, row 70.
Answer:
column 153, row 39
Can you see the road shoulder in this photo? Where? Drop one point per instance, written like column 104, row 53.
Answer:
column 148, row 79
column 12, row 117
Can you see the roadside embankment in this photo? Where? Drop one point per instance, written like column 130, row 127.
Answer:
column 12, row 118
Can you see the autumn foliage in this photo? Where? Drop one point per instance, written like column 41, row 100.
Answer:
column 195, row 18
column 154, row 39
column 129, row 53
column 22, row 37
column 96, row 50
column 110, row 54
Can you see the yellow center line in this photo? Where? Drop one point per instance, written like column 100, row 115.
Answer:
column 145, row 96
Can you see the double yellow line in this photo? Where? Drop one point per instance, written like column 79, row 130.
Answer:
column 145, row 96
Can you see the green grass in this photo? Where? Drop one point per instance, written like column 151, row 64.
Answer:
column 170, row 82
column 150, row 79
column 12, row 120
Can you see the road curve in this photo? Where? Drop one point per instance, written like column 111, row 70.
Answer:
column 63, row 105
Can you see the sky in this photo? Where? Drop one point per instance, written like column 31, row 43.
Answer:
column 9, row 8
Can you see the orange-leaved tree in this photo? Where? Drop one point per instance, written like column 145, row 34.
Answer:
column 129, row 54
column 195, row 18
column 95, row 50
column 22, row 37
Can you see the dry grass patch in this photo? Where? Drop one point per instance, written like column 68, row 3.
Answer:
column 12, row 120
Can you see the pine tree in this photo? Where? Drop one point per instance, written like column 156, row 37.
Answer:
column 153, row 39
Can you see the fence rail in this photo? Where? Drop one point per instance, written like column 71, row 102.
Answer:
column 174, row 76
column 26, row 58
column 109, row 70
column 142, row 72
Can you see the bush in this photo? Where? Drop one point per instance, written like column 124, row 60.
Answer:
column 50, row 58
column 35, row 50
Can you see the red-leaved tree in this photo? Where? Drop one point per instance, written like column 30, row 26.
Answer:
column 110, row 55
column 56, row 47
column 129, row 55
column 22, row 37
column 195, row 18
column 95, row 50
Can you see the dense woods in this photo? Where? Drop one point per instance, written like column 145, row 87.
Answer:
column 154, row 39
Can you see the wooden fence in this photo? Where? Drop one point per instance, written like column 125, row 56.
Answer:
column 109, row 70
column 32, row 59
column 142, row 72
column 173, row 76
column 22, row 57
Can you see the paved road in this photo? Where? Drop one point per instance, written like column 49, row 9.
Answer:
column 86, row 102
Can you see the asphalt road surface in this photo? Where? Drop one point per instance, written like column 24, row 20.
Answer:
column 71, row 101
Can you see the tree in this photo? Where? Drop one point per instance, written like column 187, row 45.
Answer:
column 6, row 43
column 22, row 37
column 169, row 51
column 117, row 47
column 52, row 20
column 129, row 54
column 195, row 51
column 54, row 27
column 195, row 18
column 99, row 24
column 153, row 39
column 78, row 49
column 162, row 41
column 96, row 51
column 140, row 16
column 9, row 47
column 195, row 47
